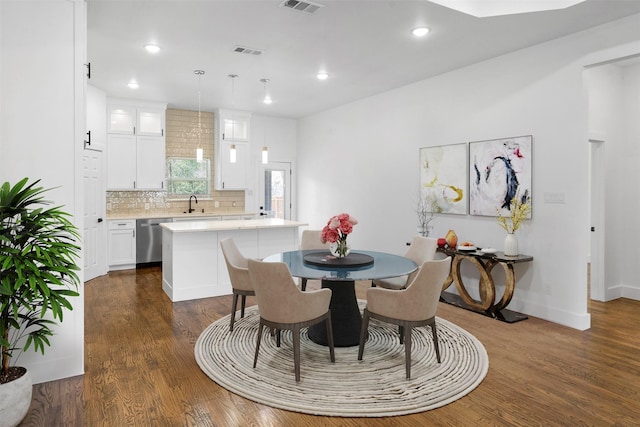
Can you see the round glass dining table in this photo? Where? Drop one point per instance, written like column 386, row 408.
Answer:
column 340, row 276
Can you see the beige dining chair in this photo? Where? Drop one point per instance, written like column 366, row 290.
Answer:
column 239, row 274
column 282, row 306
column 408, row 308
column 421, row 249
column 311, row 240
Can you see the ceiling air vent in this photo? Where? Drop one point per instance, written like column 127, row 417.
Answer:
column 301, row 6
column 247, row 50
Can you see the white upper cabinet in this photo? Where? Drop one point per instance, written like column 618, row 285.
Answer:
column 150, row 162
column 151, row 121
column 136, row 157
column 235, row 125
column 121, row 162
column 232, row 175
column 233, row 133
column 121, row 119
column 131, row 117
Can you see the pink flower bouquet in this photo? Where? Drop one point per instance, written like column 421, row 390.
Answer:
column 336, row 231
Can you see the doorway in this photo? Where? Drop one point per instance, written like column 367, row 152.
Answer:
column 596, row 256
column 275, row 190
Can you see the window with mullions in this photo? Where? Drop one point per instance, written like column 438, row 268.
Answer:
column 188, row 176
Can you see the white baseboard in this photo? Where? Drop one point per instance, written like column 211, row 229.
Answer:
column 580, row 321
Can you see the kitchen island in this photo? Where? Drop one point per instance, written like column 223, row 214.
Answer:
column 193, row 265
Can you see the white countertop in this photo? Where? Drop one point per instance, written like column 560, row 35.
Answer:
column 194, row 215
column 242, row 224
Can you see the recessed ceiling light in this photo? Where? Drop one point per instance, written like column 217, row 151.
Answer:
column 322, row 75
column 152, row 48
column 133, row 85
column 420, row 31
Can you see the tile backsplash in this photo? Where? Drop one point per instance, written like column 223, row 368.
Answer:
column 147, row 203
column 181, row 139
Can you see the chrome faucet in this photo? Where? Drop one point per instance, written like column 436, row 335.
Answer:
column 193, row 196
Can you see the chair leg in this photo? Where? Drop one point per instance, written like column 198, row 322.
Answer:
column 296, row 352
column 303, row 285
column 242, row 304
column 363, row 332
column 234, row 304
column 401, row 334
column 435, row 340
column 407, row 350
column 255, row 358
column 278, row 333
column 330, row 338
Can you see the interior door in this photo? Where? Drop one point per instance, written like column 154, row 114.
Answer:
column 275, row 190
column 597, row 287
column 93, row 237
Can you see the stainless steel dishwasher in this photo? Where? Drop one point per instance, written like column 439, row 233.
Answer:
column 149, row 240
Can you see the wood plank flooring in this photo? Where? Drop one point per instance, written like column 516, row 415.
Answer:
column 141, row 371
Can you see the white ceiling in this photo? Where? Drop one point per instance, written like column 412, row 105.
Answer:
column 365, row 46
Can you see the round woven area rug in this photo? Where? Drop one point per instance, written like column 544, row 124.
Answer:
column 373, row 387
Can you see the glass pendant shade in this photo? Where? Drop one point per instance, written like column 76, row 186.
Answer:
column 199, row 150
column 232, row 154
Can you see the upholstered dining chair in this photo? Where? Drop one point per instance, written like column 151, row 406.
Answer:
column 421, row 249
column 282, row 306
column 408, row 308
column 239, row 275
column 311, row 240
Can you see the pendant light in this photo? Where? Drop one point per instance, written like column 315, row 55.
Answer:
column 267, row 97
column 199, row 150
column 267, row 100
column 232, row 148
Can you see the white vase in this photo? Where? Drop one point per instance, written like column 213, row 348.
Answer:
column 511, row 245
column 15, row 399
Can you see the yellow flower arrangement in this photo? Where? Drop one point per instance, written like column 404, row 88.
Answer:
column 519, row 212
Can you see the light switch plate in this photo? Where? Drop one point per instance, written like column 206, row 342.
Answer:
column 554, row 198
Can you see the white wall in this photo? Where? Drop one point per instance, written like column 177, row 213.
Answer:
column 362, row 158
column 279, row 135
column 41, row 135
column 614, row 112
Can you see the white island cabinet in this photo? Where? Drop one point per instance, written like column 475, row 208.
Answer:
column 193, row 265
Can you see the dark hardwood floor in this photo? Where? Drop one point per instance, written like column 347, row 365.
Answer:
column 140, row 369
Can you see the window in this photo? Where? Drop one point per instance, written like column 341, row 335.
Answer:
column 188, row 176
column 274, row 193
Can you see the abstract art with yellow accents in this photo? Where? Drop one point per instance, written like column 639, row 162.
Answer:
column 443, row 178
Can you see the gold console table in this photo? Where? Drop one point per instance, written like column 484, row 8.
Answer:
column 484, row 263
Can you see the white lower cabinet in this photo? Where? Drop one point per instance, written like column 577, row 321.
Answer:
column 122, row 244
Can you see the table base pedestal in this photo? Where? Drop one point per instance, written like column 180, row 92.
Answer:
column 346, row 319
column 505, row 315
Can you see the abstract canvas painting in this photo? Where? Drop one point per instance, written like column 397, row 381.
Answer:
column 443, row 178
column 499, row 170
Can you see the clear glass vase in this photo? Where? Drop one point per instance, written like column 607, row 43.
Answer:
column 339, row 249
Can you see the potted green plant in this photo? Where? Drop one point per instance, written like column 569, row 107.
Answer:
column 38, row 275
